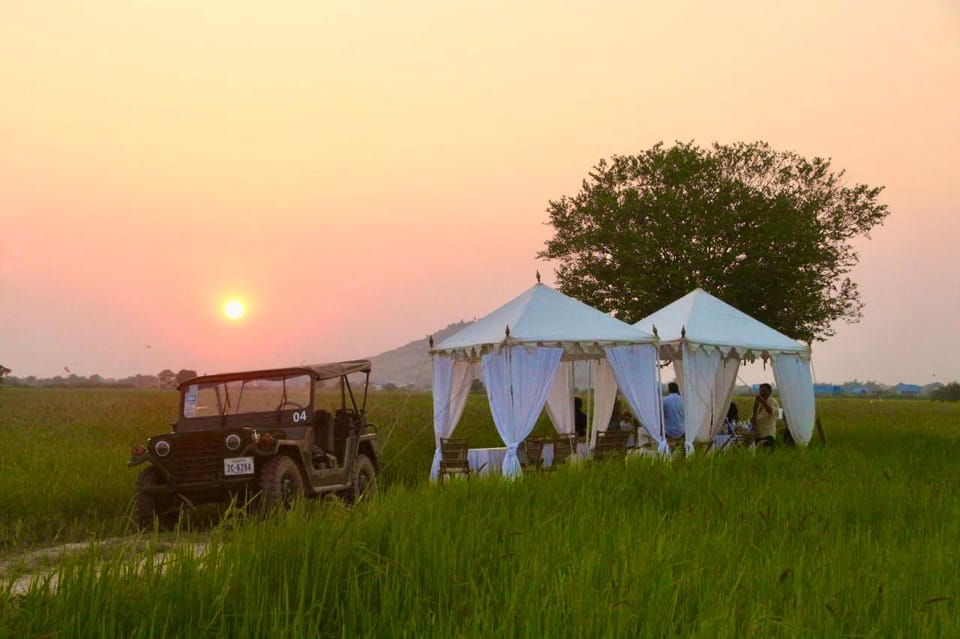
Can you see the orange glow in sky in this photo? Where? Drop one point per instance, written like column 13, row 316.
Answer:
column 375, row 171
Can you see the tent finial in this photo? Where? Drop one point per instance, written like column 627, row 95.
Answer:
column 683, row 331
column 430, row 340
column 538, row 276
column 655, row 330
column 507, row 332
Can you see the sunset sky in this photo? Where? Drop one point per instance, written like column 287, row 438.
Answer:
column 362, row 174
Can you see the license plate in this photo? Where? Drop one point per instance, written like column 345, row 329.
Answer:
column 238, row 466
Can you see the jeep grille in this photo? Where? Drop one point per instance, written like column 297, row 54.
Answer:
column 196, row 457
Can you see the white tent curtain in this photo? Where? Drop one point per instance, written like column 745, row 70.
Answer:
column 604, row 396
column 795, row 383
column 518, row 380
column 560, row 400
column 451, row 386
column 700, row 367
column 636, row 372
column 723, row 393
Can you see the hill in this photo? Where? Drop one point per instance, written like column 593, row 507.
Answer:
column 410, row 363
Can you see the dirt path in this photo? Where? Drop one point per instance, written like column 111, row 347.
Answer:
column 19, row 572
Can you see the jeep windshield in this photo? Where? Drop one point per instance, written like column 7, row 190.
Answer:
column 247, row 396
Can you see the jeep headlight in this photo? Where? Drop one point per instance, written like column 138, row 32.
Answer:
column 162, row 448
column 233, row 441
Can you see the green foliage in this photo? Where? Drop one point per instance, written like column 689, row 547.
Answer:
column 64, row 475
column 767, row 231
column 184, row 374
column 948, row 393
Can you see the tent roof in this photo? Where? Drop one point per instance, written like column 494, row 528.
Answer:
column 711, row 321
column 542, row 315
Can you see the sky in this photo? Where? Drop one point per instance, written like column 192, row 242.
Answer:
column 363, row 174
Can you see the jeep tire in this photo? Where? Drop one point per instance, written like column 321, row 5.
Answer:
column 280, row 483
column 148, row 507
column 363, row 482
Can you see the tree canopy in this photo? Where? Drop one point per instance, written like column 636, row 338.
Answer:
column 767, row 231
column 948, row 393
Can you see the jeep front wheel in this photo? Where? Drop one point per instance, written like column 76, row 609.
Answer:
column 149, row 504
column 280, row 483
column 363, row 484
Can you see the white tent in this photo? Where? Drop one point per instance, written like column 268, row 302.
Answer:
column 525, row 351
column 706, row 339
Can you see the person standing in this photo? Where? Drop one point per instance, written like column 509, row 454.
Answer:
column 673, row 412
column 579, row 417
column 764, row 420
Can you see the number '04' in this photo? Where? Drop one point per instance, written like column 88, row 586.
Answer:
column 300, row 416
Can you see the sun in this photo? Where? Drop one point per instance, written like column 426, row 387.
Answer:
column 234, row 309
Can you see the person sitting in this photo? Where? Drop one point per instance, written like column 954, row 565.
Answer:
column 579, row 417
column 615, row 416
column 764, row 420
column 733, row 418
column 628, row 425
column 644, row 439
column 673, row 412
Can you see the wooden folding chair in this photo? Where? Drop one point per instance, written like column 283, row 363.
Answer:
column 534, row 453
column 564, row 446
column 453, row 458
column 611, row 444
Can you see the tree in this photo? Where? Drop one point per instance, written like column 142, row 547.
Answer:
column 947, row 393
column 184, row 374
column 767, row 231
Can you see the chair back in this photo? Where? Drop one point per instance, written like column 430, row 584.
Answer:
column 453, row 457
column 534, row 449
column 323, row 430
column 563, row 447
column 676, row 442
column 611, row 444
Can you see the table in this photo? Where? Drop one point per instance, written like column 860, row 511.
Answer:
column 721, row 441
column 583, row 451
column 493, row 457
column 484, row 461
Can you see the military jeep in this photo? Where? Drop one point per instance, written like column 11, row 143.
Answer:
column 274, row 435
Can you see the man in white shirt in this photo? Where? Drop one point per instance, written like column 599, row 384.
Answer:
column 765, row 410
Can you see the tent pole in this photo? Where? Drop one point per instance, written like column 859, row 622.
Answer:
column 590, row 392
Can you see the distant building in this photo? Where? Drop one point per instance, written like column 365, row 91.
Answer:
column 827, row 390
column 907, row 390
column 168, row 379
column 858, row 391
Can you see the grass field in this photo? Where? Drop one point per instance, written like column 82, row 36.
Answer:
column 855, row 539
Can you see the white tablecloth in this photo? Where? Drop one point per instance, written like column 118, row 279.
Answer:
column 583, row 451
column 721, row 440
column 493, row 458
column 486, row 460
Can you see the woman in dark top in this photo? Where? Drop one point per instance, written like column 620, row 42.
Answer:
column 733, row 416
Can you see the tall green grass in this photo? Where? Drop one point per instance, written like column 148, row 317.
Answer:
column 63, row 472
column 856, row 539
